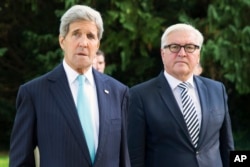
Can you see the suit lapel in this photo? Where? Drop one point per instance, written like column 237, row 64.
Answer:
column 168, row 97
column 104, row 97
column 60, row 90
column 204, row 102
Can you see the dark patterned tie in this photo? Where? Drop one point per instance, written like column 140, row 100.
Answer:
column 189, row 113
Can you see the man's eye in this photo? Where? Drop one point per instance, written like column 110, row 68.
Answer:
column 175, row 46
column 90, row 36
column 190, row 47
column 77, row 34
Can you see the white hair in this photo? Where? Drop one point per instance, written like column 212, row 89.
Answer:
column 181, row 26
column 80, row 12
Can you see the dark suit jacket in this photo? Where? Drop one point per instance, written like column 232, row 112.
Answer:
column 47, row 117
column 157, row 132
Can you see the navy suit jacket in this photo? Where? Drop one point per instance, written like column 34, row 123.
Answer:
column 47, row 116
column 157, row 132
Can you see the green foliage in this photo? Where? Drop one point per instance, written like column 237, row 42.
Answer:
column 28, row 39
column 3, row 51
column 46, row 56
column 6, row 119
column 131, row 33
column 230, row 43
column 240, row 140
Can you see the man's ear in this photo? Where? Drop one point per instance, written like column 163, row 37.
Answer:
column 98, row 47
column 198, row 61
column 61, row 41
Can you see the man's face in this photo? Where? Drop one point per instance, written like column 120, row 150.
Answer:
column 181, row 64
column 80, row 45
column 99, row 63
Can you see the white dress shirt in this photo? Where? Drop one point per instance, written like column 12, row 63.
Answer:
column 90, row 89
column 192, row 91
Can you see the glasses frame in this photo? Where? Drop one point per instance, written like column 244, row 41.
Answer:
column 182, row 46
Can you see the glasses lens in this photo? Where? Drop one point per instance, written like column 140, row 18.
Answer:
column 174, row 48
column 189, row 48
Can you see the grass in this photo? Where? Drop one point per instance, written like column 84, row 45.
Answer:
column 4, row 159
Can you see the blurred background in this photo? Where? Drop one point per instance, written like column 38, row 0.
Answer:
column 132, row 30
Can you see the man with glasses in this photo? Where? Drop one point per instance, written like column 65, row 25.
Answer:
column 179, row 119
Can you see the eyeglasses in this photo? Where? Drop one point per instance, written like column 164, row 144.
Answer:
column 175, row 48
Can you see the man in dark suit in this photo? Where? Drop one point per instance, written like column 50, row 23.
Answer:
column 47, row 107
column 161, row 130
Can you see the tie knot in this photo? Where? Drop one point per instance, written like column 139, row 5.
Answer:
column 183, row 85
column 81, row 79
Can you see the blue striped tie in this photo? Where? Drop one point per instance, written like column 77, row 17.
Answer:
column 85, row 116
column 189, row 113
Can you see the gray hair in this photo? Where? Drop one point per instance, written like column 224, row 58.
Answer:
column 181, row 26
column 80, row 12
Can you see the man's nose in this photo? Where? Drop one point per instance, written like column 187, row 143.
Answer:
column 83, row 41
column 182, row 52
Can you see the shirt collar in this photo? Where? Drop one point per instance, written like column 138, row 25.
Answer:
column 89, row 76
column 173, row 82
column 72, row 74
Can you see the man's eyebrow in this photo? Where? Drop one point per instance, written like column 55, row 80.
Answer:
column 76, row 30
